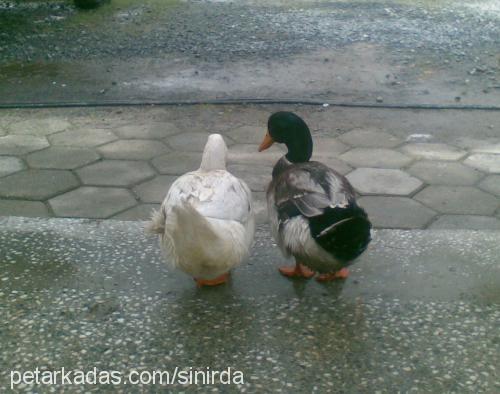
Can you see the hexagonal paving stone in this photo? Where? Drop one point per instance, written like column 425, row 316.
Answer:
column 153, row 130
column 21, row 144
column 247, row 134
column 458, row 200
column 92, row 202
column 177, row 163
column 484, row 161
column 257, row 177
column 433, row 151
column 37, row 184
column 489, row 145
column 444, row 173
column 376, row 157
column 396, row 212
column 472, row 222
column 23, row 208
column 192, row 142
column 328, row 147
column 10, row 165
column 162, row 114
column 233, row 116
column 490, row 148
column 248, row 154
column 383, row 181
column 155, row 189
column 370, row 138
column 491, row 184
column 104, row 118
column 82, row 137
column 115, row 173
column 139, row 212
column 39, row 126
column 63, row 158
column 9, row 116
column 133, row 149
column 335, row 164
column 494, row 149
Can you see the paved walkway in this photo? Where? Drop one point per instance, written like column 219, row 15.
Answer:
column 414, row 169
column 419, row 313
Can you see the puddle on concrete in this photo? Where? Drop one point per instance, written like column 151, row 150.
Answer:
column 25, row 70
column 48, row 79
column 103, row 261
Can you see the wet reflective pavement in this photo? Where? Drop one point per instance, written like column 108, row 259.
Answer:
column 420, row 312
column 398, row 51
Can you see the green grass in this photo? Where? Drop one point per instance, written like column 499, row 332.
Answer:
column 93, row 19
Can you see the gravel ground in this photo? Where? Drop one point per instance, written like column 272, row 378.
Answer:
column 34, row 31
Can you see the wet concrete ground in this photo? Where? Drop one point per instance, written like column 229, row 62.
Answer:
column 418, row 313
column 423, row 52
column 420, row 310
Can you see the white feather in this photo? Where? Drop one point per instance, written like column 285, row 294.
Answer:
column 294, row 239
column 274, row 222
column 207, row 217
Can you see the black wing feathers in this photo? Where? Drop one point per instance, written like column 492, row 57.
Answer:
column 344, row 232
column 310, row 188
column 327, row 200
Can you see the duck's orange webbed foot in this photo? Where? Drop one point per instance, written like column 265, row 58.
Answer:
column 341, row 274
column 299, row 271
column 219, row 280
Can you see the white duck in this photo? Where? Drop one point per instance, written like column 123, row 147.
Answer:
column 206, row 222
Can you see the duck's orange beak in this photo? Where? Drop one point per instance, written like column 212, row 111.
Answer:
column 266, row 142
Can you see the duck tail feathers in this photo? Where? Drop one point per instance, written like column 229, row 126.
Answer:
column 346, row 239
column 157, row 223
column 189, row 221
column 345, row 233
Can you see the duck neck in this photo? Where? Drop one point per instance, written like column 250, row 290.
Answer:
column 299, row 148
column 280, row 166
column 212, row 161
column 214, row 154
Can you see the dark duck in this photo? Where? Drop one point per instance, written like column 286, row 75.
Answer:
column 313, row 211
